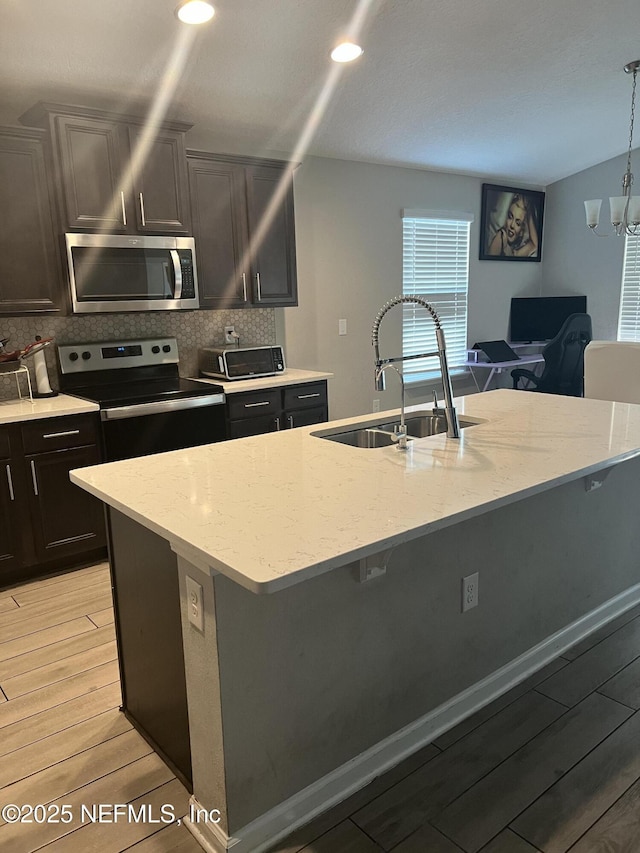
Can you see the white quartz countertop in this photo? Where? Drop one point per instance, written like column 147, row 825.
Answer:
column 272, row 510
column 291, row 376
column 12, row 411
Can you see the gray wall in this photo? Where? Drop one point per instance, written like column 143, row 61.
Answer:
column 574, row 260
column 349, row 245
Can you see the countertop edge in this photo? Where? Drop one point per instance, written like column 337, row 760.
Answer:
column 292, row 376
column 19, row 411
column 314, row 570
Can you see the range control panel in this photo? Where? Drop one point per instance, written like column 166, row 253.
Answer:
column 111, row 355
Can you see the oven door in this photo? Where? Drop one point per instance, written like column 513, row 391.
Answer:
column 139, row 430
column 115, row 273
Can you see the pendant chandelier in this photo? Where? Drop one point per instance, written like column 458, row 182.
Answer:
column 625, row 209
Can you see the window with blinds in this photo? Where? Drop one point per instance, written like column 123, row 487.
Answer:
column 629, row 320
column 435, row 250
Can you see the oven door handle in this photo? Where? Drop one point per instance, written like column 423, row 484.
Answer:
column 177, row 274
column 157, row 408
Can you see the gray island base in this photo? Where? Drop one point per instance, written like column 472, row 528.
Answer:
column 298, row 698
column 334, row 643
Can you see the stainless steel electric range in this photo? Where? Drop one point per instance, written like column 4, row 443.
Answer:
column 145, row 406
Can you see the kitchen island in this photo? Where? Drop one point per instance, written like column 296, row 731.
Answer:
column 334, row 642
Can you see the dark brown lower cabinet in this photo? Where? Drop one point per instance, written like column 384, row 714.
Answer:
column 10, row 557
column 146, row 598
column 274, row 409
column 47, row 522
column 66, row 521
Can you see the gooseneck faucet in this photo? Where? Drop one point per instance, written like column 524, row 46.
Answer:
column 453, row 428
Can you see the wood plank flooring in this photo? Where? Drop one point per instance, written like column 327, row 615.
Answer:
column 550, row 767
column 63, row 739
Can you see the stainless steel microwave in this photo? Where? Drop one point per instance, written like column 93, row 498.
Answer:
column 241, row 363
column 110, row 273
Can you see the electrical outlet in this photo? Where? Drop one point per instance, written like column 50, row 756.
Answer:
column 376, row 406
column 229, row 334
column 195, row 606
column 470, row 591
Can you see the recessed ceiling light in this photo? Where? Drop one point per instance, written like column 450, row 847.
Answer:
column 347, row 51
column 195, row 12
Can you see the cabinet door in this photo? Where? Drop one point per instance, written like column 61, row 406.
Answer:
column 160, row 183
column 219, row 216
column 9, row 514
column 66, row 520
column 30, row 274
column 255, row 426
column 274, row 280
column 92, row 156
column 305, row 417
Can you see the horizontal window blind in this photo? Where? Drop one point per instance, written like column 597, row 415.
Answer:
column 436, row 267
column 629, row 320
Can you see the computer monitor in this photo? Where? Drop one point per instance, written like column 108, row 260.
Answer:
column 539, row 318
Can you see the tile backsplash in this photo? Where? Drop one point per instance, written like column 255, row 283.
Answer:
column 192, row 329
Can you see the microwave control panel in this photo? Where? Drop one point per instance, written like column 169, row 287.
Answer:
column 188, row 281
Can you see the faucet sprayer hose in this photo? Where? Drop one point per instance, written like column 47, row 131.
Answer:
column 418, row 300
column 453, row 427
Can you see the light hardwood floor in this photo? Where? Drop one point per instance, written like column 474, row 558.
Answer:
column 551, row 766
column 62, row 738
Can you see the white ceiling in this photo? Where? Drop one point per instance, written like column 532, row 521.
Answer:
column 530, row 91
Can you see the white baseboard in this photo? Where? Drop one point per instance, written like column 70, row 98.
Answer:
column 260, row 834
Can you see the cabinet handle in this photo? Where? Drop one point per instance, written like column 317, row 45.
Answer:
column 290, row 419
column 61, row 434
column 244, row 287
column 10, row 483
column 259, row 288
column 307, row 396
column 124, row 212
column 34, row 478
column 278, row 427
column 253, row 405
column 144, row 221
column 177, row 273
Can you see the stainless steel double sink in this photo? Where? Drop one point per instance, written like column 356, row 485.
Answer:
column 381, row 434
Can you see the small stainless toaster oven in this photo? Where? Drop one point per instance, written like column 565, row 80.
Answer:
column 241, row 362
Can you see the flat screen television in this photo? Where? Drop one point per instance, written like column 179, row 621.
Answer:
column 539, row 318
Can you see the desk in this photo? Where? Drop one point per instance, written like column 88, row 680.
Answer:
column 495, row 367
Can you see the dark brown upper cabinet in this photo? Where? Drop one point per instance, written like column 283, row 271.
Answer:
column 244, row 258
column 273, row 253
column 113, row 173
column 30, row 271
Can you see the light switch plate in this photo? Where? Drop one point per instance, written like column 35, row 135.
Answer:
column 342, row 327
column 195, row 607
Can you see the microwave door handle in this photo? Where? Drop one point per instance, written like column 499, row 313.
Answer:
column 177, row 274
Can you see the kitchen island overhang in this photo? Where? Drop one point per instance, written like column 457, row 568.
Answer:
column 297, row 699
column 273, row 510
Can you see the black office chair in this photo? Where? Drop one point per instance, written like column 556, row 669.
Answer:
column 563, row 360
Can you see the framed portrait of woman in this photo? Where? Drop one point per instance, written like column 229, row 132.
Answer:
column 511, row 224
